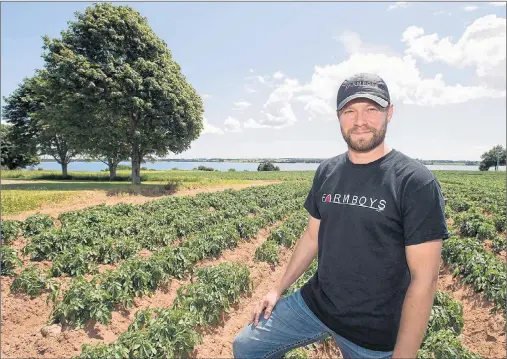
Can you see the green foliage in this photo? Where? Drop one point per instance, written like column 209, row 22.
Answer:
column 185, row 176
column 9, row 230
column 113, row 68
column 479, row 268
column 228, row 221
column 216, row 287
column 8, row 260
column 444, row 344
column 33, row 110
column 13, row 154
column 204, row 168
column 33, row 282
column 499, row 244
column 267, row 166
column 493, row 158
column 298, row 353
column 36, row 224
column 172, row 332
column 267, row 252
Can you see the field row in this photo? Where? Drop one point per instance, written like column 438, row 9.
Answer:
column 107, row 235
column 235, row 216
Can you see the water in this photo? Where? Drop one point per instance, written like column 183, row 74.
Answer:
column 223, row 166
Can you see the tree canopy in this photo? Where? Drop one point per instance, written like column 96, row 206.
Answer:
column 132, row 96
column 267, row 166
column 32, row 111
column 12, row 155
column 493, row 158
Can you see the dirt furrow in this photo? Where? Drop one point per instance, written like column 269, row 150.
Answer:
column 483, row 333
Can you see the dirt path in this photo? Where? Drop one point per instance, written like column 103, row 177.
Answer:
column 483, row 332
column 84, row 199
column 22, row 318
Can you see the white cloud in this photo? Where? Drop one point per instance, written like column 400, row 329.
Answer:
column 232, row 125
column 210, row 129
column 470, row 8
column 277, row 109
column 278, row 75
column 483, row 45
column 241, row 105
column 498, row 3
column 253, row 82
column 442, row 12
column 399, row 4
column 251, row 123
column 251, row 70
column 354, row 45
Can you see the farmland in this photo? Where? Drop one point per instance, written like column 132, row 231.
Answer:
column 179, row 275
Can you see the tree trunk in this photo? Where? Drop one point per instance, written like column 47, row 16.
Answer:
column 112, row 168
column 136, row 165
column 64, row 169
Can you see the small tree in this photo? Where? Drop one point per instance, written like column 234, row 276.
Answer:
column 12, row 155
column 34, row 114
column 267, row 166
column 495, row 157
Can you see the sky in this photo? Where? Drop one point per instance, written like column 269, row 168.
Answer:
column 268, row 73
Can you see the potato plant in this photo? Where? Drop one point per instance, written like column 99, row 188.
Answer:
column 138, row 276
column 172, row 332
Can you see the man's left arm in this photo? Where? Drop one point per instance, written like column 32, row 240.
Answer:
column 425, row 228
column 424, row 262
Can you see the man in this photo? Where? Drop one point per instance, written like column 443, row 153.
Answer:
column 377, row 222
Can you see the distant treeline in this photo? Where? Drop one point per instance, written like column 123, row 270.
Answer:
column 288, row 160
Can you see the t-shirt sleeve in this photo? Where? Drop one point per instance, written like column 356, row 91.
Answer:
column 311, row 200
column 424, row 215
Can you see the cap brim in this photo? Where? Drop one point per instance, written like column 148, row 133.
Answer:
column 377, row 99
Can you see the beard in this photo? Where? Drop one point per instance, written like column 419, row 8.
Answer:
column 363, row 145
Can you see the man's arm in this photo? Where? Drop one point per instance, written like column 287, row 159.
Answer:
column 424, row 262
column 303, row 255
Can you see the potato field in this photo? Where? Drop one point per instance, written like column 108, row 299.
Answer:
column 178, row 276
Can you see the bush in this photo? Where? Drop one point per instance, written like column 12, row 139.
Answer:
column 267, row 166
column 204, row 168
column 267, row 252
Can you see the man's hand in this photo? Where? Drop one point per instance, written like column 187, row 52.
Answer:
column 268, row 302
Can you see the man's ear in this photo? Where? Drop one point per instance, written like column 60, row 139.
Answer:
column 390, row 110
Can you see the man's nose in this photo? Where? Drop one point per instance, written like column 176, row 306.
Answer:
column 360, row 119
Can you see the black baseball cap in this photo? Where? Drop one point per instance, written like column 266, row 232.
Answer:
column 363, row 85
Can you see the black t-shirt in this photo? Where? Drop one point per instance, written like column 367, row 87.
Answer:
column 369, row 213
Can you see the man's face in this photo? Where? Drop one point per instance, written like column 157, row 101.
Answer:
column 364, row 124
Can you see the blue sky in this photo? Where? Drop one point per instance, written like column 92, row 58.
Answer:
column 268, row 72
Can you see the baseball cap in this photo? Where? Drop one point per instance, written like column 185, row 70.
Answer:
column 363, row 85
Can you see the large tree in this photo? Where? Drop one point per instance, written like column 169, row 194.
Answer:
column 110, row 62
column 33, row 113
column 12, row 154
column 493, row 158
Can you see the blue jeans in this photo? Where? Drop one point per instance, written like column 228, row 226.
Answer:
column 291, row 325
